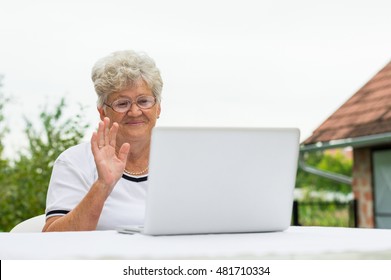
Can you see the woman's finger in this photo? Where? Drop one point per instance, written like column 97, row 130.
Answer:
column 113, row 135
column 106, row 121
column 123, row 152
column 100, row 136
column 94, row 143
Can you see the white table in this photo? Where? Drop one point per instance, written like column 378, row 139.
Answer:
column 294, row 243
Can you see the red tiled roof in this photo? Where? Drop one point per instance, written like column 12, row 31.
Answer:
column 367, row 112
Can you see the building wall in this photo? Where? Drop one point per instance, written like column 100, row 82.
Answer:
column 362, row 186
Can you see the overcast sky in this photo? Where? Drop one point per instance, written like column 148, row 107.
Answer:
column 231, row 63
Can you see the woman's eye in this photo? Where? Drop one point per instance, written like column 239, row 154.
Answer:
column 142, row 101
column 122, row 104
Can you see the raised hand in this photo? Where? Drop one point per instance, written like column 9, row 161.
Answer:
column 110, row 163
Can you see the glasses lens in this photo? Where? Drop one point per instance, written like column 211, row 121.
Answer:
column 145, row 102
column 121, row 105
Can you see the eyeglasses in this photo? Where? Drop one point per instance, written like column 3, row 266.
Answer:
column 124, row 105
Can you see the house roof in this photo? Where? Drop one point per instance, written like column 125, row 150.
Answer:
column 366, row 113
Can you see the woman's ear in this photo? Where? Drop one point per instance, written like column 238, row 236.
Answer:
column 158, row 111
column 102, row 113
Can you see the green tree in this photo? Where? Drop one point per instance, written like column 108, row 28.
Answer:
column 25, row 194
column 4, row 163
column 3, row 128
column 336, row 163
column 316, row 208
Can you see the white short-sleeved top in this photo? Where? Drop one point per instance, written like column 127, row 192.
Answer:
column 74, row 172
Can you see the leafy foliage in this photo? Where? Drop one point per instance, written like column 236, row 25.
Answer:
column 3, row 129
column 336, row 163
column 325, row 202
column 4, row 164
column 23, row 189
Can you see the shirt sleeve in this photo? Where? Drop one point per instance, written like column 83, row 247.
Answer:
column 68, row 185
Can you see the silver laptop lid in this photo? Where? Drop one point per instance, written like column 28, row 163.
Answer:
column 216, row 180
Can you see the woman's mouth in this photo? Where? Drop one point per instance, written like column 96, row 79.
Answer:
column 134, row 122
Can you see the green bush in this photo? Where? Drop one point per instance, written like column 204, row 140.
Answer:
column 335, row 163
column 315, row 210
column 24, row 181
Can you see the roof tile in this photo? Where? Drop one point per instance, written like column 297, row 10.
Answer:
column 367, row 112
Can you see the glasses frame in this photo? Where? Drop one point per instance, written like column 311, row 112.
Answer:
column 131, row 103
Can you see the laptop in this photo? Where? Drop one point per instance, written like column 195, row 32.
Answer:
column 219, row 180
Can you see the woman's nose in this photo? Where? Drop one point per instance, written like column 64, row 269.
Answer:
column 134, row 110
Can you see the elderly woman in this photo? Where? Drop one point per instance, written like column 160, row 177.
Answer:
column 102, row 184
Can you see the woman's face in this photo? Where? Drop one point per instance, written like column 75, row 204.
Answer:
column 136, row 124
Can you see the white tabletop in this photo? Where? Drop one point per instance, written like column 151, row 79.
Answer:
column 294, row 243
